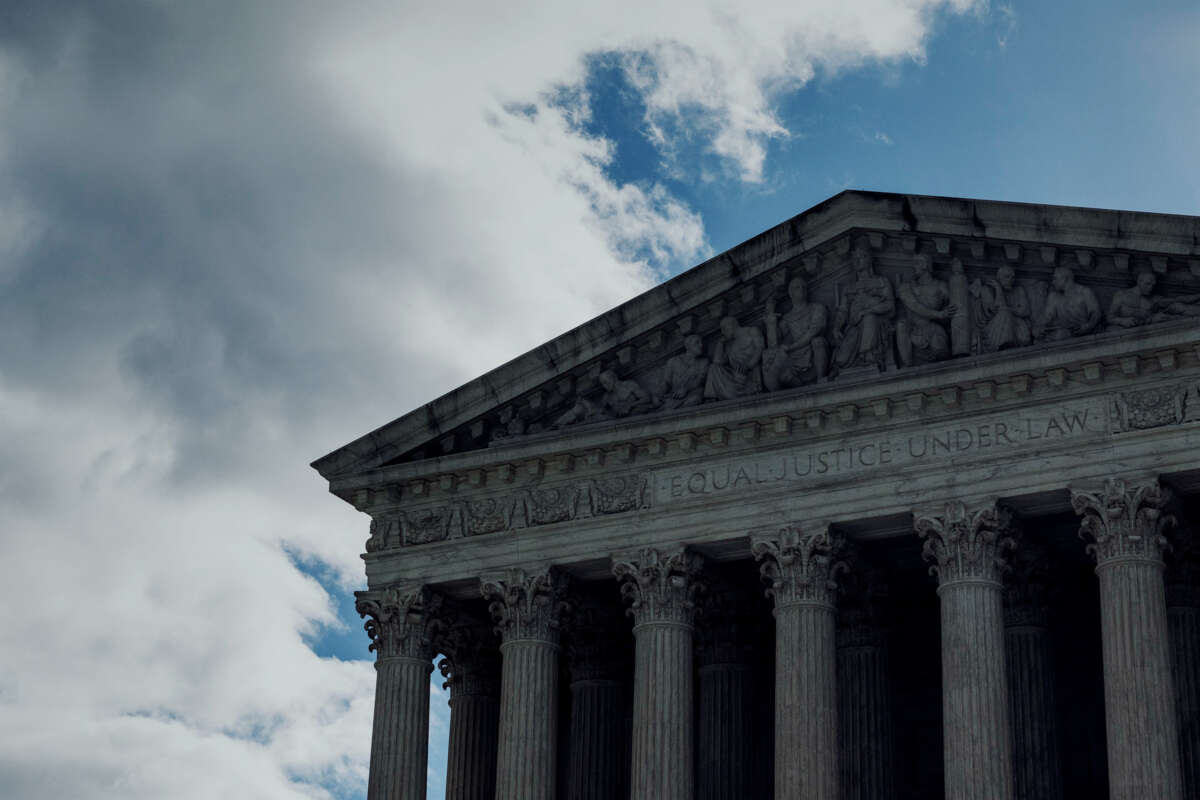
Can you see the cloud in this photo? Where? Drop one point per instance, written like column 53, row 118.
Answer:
column 236, row 236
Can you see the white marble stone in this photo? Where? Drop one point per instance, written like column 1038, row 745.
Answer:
column 1124, row 522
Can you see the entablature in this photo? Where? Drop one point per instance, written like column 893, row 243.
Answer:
column 1044, row 410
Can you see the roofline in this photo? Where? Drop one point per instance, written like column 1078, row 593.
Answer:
column 1172, row 234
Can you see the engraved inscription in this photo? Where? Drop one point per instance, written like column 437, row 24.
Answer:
column 977, row 437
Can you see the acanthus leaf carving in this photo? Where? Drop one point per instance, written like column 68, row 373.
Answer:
column 660, row 586
column 965, row 544
column 800, row 567
column 1124, row 521
column 472, row 657
column 527, row 604
column 402, row 621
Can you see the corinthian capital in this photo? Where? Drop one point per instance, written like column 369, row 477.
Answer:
column 965, row 544
column 800, row 567
column 472, row 662
column 401, row 621
column 659, row 586
column 1124, row 521
column 526, row 605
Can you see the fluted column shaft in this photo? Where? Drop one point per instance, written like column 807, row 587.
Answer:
column 527, row 609
column 1143, row 756
column 976, row 736
column 1037, row 773
column 1183, row 620
column 400, row 733
column 724, row 735
column 662, row 712
column 978, row 750
column 1126, row 525
column 800, row 567
column 471, row 755
column 526, row 761
column 1184, row 623
column 806, row 720
column 401, row 623
column 597, row 766
column 865, row 722
column 659, row 588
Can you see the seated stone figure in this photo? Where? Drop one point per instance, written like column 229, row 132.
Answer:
column 796, row 349
column 921, row 335
column 1004, row 311
column 620, row 399
column 862, row 332
column 1138, row 305
column 684, row 376
column 735, row 370
column 1070, row 310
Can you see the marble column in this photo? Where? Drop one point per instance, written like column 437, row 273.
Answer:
column 402, row 623
column 724, row 734
column 799, row 567
column 1125, row 524
column 527, row 607
column 1037, row 771
column 1183, row 620
column 598, row 744
column 865, row 746
column 660, row 588
column 472, row 671
column 966, row 546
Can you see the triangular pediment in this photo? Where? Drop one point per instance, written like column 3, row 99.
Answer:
column 568, row 382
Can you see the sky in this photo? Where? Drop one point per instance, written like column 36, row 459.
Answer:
column 235, row 235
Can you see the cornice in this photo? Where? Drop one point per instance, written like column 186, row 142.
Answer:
column 1099, row 365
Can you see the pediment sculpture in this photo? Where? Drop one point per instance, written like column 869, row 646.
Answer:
column 878, row 325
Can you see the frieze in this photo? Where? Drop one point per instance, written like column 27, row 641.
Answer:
column 526, row 508
column 1025, row 428
column 1155, row 407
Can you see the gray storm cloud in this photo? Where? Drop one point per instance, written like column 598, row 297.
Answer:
column 234, row 236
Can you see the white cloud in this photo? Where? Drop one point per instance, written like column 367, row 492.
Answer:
column 233, row 239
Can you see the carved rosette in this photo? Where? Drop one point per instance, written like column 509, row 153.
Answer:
column 799, row 567
column 1027, row 586
column 526, row 605
column 472, row 662
column 1124, row 522
column 401, row 621
column 660, row 586
column 965, row 544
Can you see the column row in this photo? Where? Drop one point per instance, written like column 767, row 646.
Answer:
column 999, row 737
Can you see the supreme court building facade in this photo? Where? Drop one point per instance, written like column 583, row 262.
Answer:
column 897, row 499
